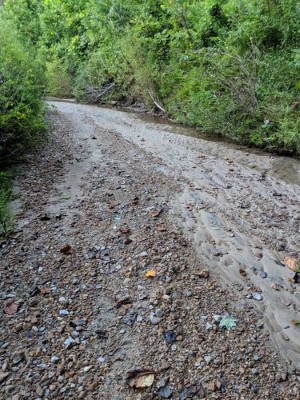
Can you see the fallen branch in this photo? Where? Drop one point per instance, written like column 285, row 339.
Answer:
column 160, row 107
column 95, row 94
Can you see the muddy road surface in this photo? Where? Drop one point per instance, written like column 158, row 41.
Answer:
column 136, row 244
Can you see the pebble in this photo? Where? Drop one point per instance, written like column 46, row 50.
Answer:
column 39, row 391
column 87, row 369
column 62, row 300
column 254, row 389
column 139, row 318
column 257, row 296
column 159, row 313
column 170, row 336
column 3, row 376
column 208, row 326
column 207, row 359
column 165, row 392
column 64, row 312
column 263, row 274
column 69, row 342
column 217, row 318
column 55, row 359
column 154, row 319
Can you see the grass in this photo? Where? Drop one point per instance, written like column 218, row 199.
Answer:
column 6, row 216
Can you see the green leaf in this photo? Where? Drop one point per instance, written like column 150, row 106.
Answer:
column 229, row 323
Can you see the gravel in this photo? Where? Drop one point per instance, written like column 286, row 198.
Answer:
column 117, row 320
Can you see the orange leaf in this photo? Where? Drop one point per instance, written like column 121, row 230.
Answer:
column 151, row 274
column 291, row 263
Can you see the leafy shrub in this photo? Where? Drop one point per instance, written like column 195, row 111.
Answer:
column 21, row 109
column 59, row 82
column 6, row 217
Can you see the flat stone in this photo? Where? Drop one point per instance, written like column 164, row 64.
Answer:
column 69, row 342
column 257, row 296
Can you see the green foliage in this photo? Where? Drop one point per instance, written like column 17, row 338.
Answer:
column 59, row 82
column 6, row 216
column 226, row 66
column 21, row 110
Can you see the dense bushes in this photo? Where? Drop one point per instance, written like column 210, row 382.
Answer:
column 21, row 110
column 226, row 66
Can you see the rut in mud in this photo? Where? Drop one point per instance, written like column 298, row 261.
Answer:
column 129, row 197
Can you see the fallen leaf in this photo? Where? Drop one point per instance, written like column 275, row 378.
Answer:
column 121, row 302
column 140, row 379
column 45, row 291
column 203, row 274
column 66, row 249
column 275, row 286
column 291, row 263
column 295, row 322
column 229, row 323
column 155, row 213
column 151, row 274
column 11, row 308
column 125, row 229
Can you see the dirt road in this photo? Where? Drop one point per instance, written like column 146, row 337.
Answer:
column 134, row 242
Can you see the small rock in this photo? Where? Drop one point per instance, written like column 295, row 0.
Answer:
column 154, row 319
column 159, row 313
column 204, row 273
column 139, row 318
column 69, row 342
column 4, row 366
column 275, row 286
column 263, row 274
column 207, row 359
column 165, row 392
column 189, row 293
column 87, row 369
column 62, row 300
column 254, row 389
column 64, row 312
column 55, row 359
column 257, row 296
column 217, row 318
column 3, row 376
column 208, row 326
column 170, row 336
column 39, row 391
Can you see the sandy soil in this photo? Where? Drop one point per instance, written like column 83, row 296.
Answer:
column 131, row 196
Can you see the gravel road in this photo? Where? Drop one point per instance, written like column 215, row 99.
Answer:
column 134, row 244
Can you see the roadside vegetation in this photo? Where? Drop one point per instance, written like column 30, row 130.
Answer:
column 21, row 108
column 228, row 67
